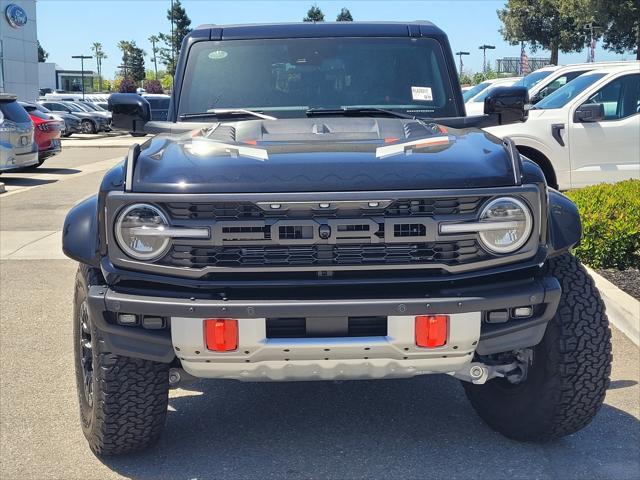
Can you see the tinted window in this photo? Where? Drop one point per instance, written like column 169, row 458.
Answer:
column 571, row 90
column 287, row 76
column 620, row 97
column 39, row 114
column 13, row 111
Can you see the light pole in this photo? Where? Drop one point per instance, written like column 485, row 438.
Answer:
column 591, row 28
column 82, row 59
column 460, row 54
column 173, row 41
column 484, row 49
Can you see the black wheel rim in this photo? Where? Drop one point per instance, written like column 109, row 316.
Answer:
column 86, row 355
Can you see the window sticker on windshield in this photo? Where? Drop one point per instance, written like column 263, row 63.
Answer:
column 422, row 93
column 218, row 55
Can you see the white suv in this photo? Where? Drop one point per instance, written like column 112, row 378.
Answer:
column 586, row 132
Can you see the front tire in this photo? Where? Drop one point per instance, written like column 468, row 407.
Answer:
column 87, row 126
column 568, row 379
column 123, row 400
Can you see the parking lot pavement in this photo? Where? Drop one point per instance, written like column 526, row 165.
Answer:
column 414, row 428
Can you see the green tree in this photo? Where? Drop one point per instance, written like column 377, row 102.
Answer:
column 154, row 39
column 555, row 25
column 314, row 14
column 99, row 55
column 42, row 53
column 620, row 20
column 132, row 60
column 344, row 15
column 173, row 41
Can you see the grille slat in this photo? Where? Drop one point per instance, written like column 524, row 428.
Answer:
column 425, row 207
column 439, row 252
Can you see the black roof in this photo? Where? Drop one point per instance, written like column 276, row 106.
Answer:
column 320, row 29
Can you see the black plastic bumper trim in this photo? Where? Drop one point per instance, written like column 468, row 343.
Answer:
column 157, row 346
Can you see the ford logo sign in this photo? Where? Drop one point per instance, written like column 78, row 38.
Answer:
column 16, row 16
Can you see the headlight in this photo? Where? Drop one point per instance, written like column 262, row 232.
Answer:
column 139, row 229
column 518, row 224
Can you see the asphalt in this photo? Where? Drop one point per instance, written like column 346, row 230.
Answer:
column 415, row 428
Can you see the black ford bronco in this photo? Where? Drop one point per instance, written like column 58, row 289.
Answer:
column 318, row 207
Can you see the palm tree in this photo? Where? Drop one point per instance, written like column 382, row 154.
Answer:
column 99, row 55
column 154, row 50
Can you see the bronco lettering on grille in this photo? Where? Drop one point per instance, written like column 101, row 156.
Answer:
column 329, row 231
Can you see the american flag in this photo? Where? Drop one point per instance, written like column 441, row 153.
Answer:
column 524, row 60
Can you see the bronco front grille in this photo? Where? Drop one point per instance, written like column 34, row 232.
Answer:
column 449, row 253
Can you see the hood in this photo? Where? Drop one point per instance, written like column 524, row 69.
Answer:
column 323, row 155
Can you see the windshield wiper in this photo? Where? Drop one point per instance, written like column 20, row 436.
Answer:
column 227, row 112
column 355, row 111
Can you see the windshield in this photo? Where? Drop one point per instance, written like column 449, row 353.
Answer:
column 474, row 91
column 533, row 78
column 82, row 107
column 285, row 77
column 74, row 107
column 568, row 92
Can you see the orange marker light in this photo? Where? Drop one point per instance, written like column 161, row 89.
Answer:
column 431, row 330
column 221, row 334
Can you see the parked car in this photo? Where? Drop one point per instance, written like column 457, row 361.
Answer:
column 90, row 122
column 47, row 134
column 71, row 122
column 476, row 90
column 92, row 108
column 268, row 235
column 585, row 132
column 547, row 80
column 475, row 105
column 18, row 148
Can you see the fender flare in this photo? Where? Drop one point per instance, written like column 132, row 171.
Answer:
column 80, row 236
column 565, row 227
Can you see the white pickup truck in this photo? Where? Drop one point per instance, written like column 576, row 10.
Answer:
column 587, row 131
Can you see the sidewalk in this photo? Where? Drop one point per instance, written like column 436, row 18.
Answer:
column 622, row 309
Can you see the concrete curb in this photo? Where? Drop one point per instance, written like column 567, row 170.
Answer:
column 622, row 309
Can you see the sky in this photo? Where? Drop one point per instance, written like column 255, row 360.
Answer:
column 69, row 27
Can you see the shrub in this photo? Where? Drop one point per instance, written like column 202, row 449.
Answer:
column 127, row 86
column 610, row 216
column 153, row 86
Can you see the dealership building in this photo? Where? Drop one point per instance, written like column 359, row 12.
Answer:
column 19, row 48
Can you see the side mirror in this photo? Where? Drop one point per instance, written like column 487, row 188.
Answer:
column 589, row 112
column 130, row 112
column 535, row 99
column 508, row 104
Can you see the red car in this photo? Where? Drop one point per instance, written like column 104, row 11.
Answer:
column 47, row 132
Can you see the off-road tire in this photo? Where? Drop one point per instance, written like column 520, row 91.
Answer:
column 569, row 376
column 129, row 401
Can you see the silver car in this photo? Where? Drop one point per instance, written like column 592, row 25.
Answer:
column 18, row 148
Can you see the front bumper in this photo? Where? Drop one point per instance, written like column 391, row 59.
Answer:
column 262, row 358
